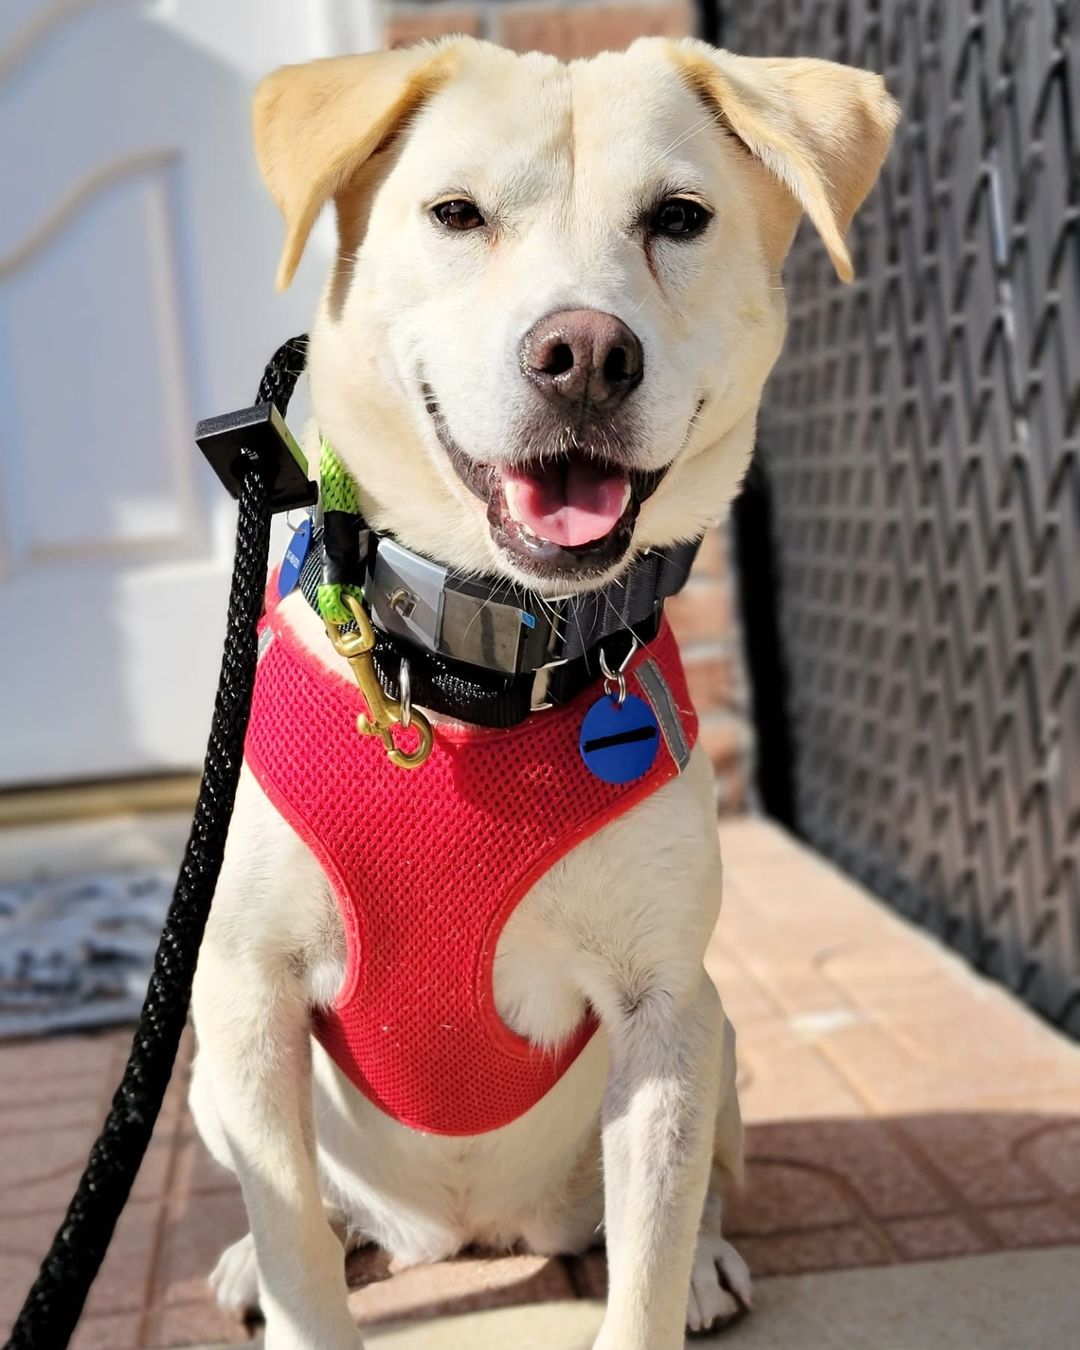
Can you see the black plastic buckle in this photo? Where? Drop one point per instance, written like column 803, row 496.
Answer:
column 234, row 440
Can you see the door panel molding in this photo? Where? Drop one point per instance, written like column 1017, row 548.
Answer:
column 56, row 286
column 38, row 29
column 76, row 199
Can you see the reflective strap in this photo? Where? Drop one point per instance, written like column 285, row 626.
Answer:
column 265, row 639
column 656, row 690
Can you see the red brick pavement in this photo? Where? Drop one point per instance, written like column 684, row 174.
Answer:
column 899, row 1109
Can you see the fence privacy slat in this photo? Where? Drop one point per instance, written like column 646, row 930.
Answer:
column 922, row 443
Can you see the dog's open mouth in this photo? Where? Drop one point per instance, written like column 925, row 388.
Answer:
column 561, row 515
column 571, row 513
column 572, row 502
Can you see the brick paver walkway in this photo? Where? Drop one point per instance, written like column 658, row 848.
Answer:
column 899, row 1109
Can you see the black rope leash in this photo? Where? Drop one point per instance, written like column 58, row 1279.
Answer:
column 55, row 1302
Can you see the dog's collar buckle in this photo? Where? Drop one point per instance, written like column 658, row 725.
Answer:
column 423, row 603
column 539, row 701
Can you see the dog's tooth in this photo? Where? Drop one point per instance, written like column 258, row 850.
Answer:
column 627, row 493
column 512, row 507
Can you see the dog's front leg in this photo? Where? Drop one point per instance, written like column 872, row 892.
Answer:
column 659, row 1120
column 255, row 1039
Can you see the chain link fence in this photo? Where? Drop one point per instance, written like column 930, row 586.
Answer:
column 920, row 442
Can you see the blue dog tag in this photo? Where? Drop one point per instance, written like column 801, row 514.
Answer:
column 619, row 742
column 296, row 550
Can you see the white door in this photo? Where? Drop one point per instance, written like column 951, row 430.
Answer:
column 137, row 256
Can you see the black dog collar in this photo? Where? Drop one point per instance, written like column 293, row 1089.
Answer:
column 482, row 650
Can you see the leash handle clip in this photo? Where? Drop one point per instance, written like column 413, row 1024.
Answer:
column 383, row 713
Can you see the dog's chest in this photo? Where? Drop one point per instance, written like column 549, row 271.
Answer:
column 461, row 1003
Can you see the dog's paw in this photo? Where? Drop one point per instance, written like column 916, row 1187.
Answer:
column 235, row 1278
column 720, row 1287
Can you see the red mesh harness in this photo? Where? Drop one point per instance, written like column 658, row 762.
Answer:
column 428, row 865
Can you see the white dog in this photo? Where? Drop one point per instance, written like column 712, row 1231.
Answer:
column 540, row 265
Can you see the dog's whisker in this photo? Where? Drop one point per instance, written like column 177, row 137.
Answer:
column 711, row 120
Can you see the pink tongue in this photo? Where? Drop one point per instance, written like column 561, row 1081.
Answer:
column 571, row 503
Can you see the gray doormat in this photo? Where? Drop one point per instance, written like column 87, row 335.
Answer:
column 77, row 952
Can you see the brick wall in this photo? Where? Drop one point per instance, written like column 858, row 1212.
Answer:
column 572, row 28
column 704, row 614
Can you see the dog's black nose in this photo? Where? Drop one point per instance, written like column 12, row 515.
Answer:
column 583, row 357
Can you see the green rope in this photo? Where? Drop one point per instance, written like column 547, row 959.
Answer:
column 337, row 486
column 337, row 489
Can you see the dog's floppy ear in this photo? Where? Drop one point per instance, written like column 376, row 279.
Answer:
column 822, row 129
column 316, row 124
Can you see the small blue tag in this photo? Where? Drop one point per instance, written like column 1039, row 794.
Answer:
column 619, row 742
column 296, row 550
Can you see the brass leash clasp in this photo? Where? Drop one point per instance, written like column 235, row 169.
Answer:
column 383, row 713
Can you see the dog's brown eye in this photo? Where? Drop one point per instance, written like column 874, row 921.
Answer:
column 458, row 214
column 679, row 218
